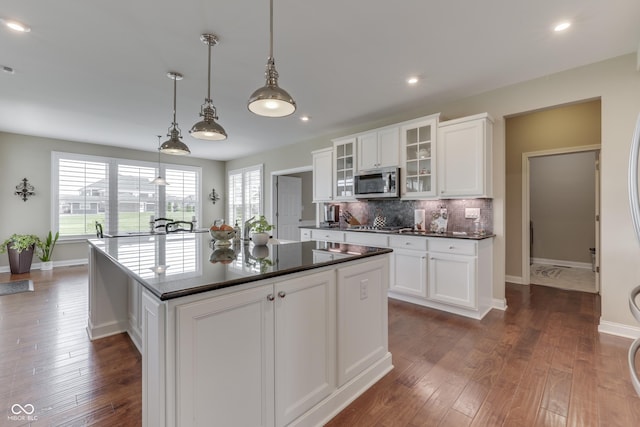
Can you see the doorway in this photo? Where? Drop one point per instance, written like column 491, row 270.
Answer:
column 561, row 218
column 291, row 202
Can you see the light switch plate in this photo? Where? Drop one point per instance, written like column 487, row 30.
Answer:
column 472, row 213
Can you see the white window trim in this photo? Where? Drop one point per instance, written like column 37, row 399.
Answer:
column 113, row 163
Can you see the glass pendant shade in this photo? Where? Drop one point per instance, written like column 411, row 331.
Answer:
column 208, row 128
column 271, row 100
column 174, row 145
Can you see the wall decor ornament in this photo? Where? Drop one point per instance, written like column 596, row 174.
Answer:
column 25, row 189
column 213, row 196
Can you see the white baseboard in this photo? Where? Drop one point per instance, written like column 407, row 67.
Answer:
column 514, row 279
column 561, row 263
column 64, row 263
column 500, row 304
column 619, row 329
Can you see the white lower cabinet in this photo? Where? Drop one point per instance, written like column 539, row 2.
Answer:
column 452, row 279
column 409, row 272
column 453, row 275
column 409, row 265
column 234, row 351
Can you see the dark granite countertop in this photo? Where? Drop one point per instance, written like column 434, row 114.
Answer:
column 408, row 232
column 180, row 264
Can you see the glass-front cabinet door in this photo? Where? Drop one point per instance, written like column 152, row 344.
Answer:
column 345, row 152
column 419, row 158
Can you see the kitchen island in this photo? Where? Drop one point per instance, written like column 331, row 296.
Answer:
column 243, row 335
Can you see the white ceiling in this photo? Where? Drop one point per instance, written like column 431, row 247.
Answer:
column 95, row 71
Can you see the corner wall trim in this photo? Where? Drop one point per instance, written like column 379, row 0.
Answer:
column 618, row 329
column 514, row 279
column 499, row 304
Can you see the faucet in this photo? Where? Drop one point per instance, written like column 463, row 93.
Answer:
column 245, row 230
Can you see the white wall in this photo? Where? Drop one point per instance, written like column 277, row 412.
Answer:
column 27, row 156
column 617, row 83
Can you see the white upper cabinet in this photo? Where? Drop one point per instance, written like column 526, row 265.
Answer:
column 464, row 157
column 323, row 175
column 345, row 163
column 379, row 149
column 418, row 142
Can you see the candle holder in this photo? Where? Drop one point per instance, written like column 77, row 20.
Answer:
column 213, row 196
column 24, row 190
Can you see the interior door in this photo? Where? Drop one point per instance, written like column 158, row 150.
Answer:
column 289, row 213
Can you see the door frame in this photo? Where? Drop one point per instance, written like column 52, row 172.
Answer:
column 274, row 187
column 526, row 213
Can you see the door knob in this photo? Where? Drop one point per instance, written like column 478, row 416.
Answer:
column 270, row 297
column 282, row 294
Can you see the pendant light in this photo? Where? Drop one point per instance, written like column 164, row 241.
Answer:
column 174, row 145
column 208, row 128
column 159, row 180
column 271, row 100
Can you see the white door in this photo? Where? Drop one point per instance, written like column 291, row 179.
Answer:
column 289, row 213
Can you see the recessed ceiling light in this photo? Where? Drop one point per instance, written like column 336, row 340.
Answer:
column 305, row 118
column 562, row 26
column 15, row 25
column 412, row 80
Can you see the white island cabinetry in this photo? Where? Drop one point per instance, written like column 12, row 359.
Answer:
column 261, row 348
column 236, row 341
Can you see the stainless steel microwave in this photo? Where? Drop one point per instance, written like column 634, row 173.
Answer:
column 377, row 183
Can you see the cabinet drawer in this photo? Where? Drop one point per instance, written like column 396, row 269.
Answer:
column 327, row 235
column 305, row 234
column 452, row 246
column 408, row 242
column 367, row 239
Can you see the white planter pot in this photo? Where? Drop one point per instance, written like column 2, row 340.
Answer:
column 260, row 238
column 46, row 265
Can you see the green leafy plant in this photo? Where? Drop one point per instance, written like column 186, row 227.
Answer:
column 20, row 242
column 261, row 225
column 46, row 246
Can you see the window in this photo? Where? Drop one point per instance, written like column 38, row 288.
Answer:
column 244, row 194
column 118, row 194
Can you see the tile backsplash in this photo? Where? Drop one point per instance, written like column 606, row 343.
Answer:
column 401, row 213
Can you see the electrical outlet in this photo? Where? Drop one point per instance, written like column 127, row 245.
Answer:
column 364, row 292
column 472, row 213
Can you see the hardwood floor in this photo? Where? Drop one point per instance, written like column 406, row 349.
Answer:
column 539, row 363
column 47, row 360
column 542, row 362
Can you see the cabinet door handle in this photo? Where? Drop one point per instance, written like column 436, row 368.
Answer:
column 451, row 247
column 282, row 294
column 407, row 243
column 270, row 297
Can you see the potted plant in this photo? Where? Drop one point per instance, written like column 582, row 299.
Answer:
column 259, row 230
column 19, row 248
column 45, row 248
